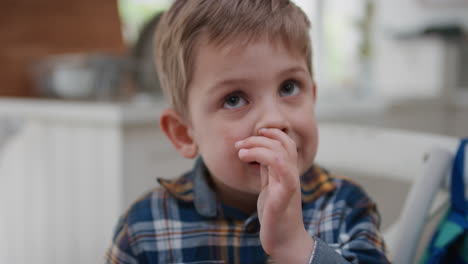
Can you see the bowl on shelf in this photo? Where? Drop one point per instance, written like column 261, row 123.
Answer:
column 95, row 77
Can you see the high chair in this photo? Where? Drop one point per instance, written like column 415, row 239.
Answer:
column 406, row 173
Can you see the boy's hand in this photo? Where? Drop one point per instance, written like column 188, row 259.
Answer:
column 282, row 232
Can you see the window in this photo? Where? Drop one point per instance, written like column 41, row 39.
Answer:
column 342, row 41
column 135, row 13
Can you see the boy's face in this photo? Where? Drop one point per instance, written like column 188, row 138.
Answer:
column 234, row 92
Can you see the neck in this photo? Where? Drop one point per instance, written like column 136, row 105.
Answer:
column 246, row 202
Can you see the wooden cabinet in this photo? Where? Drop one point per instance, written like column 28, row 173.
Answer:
column 30, row 30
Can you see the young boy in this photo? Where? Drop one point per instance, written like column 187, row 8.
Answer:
column 238, row 76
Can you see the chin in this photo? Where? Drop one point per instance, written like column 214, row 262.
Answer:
column 253, row 188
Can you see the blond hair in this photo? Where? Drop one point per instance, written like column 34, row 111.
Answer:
column 222, row 21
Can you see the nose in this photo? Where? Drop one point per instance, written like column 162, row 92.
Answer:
column 273, row 117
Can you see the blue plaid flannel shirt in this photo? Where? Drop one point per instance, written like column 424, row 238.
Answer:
column 182, row 222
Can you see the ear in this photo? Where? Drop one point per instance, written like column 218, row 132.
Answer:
column 178, row 132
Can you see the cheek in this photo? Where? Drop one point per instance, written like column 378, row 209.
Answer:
column 309, row 134
column 313, row 144
column 229, row 137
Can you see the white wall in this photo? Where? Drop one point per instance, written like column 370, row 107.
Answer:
column 408, row 13
column 411, row 67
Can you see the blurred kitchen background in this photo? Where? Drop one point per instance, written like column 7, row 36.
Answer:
column 79, row 104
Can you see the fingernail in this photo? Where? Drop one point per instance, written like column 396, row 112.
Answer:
column 242, row 152
column 238, row 143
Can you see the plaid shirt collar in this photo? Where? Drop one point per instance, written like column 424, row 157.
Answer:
column 194, row 188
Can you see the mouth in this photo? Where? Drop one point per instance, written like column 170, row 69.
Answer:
column 254, row 164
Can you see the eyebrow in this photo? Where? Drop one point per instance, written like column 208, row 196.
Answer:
column 242, row 81
column 293, row 70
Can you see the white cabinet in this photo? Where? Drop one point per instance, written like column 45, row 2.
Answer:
column 70, row 171
column 423, row 115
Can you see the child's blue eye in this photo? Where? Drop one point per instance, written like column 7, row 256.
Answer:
column 289, row 88
column 234, row 101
